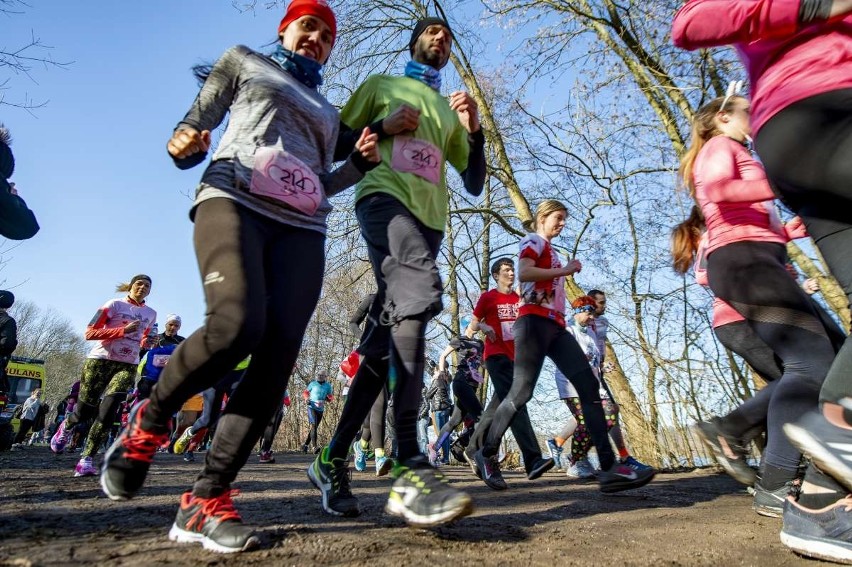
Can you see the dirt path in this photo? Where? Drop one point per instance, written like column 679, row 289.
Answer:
column 47, row 517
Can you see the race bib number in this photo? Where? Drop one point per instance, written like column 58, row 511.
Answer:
column 160, row 360
column 281, row 176
column 507, row 328
column 419, row 157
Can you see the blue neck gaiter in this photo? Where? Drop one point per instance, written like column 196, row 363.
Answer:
column 305, row 70
column 424, row 73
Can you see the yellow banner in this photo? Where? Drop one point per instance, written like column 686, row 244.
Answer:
column 25, row 370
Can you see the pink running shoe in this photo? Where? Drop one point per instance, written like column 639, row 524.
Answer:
column 433, row 455
column 61, row 438
column 85, row 467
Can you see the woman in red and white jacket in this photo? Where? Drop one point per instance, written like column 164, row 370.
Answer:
column 540, row 333
column 120, row 328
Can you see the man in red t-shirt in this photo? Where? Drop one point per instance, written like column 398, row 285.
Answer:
column 495, row 315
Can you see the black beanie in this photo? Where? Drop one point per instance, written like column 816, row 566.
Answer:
column 7, row 160
column 7, row 298
column 140, row 277
column 421, row 27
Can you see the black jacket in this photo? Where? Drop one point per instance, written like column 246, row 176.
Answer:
column 438, row 394
column 8, row 335
column 17, row 222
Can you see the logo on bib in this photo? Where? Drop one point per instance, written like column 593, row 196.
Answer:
column 418, row 157
column 281, row 176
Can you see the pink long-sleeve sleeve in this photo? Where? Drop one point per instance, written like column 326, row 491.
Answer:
column 711, row 23
column 726, row 172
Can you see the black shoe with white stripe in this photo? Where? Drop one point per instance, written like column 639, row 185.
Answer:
column 423, row 497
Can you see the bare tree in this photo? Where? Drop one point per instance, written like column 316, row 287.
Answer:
column 22, row 60
column 48, row 335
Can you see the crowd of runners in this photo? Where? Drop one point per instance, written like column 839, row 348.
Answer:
column 260, row 216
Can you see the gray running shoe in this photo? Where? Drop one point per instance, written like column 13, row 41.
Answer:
column 824, row 534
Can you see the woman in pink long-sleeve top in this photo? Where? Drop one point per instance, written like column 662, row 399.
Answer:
column 746, row 268
column 799, row 58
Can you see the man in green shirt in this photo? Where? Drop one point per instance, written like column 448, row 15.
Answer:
column 402, row 209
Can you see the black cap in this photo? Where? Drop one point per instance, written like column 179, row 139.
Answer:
column 7, row 298
column 421, row 27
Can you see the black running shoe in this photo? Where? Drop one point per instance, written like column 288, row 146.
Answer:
column 126, row 462
column 824, row 534
column 771, row 502
column 622, row 477
column 489, row 471
column 468, row 456
column 212, row 522
column 712, row 435
column 540, row 466
column 828, row 446
column 457, row 451
column 422, row 496
column 332, row 479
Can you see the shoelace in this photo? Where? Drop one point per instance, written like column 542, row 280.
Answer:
column 220, row 507
column 141, row 445
column 340, row 476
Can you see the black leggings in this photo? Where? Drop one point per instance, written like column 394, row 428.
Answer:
column 271, row 430
column 501, row 370
column 262, row 280
column 806, row 150
column 402, row 254
column 751, row 276
column 373, row 428
column 314, row 420
column 535, row 339
column 466, row 404
column 748, row 419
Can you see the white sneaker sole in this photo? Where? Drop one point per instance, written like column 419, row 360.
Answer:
column 818, row 549
column 179, row 535
column 464, row 507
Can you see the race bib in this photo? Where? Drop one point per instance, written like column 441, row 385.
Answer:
column 160, row 360
column 123, row 350
column 507, row 328
column 419, row 157
column 284, row 177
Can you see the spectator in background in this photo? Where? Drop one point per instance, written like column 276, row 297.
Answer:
column 17, row 222
column 29, row 412
column 423, row 419
column 441, row 404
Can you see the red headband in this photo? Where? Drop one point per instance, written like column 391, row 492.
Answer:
column 317, row 8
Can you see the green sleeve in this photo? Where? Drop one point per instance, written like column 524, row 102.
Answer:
column 358, row 111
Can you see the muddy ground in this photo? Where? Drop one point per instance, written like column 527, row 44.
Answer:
column 701, row 517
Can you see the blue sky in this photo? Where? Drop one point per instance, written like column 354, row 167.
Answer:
column 92, row 163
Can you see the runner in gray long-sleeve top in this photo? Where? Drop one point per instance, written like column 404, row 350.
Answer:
column 259, row 236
